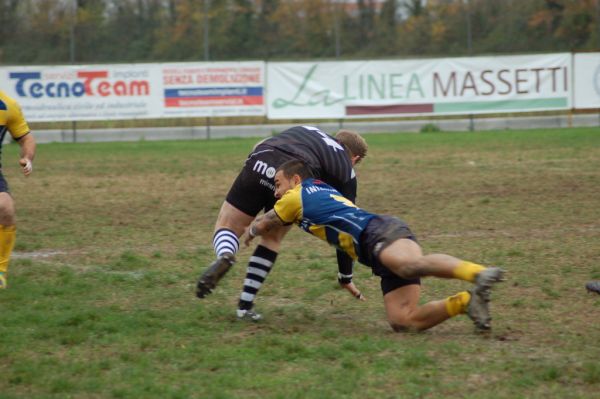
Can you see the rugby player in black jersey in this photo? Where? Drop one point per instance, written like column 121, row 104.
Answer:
column 331, row 159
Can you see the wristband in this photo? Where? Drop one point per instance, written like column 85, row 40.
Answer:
column 344, row 278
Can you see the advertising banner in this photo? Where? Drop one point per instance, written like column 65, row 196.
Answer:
column 213, row 89
column 587, row 80
column 104, row 92
column 362, row 89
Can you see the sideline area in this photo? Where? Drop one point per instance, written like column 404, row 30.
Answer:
column 410, row 126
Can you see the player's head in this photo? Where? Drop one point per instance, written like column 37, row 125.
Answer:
column 289, row 175
column 354, row 143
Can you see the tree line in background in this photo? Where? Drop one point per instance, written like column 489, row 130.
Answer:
column 98, row 31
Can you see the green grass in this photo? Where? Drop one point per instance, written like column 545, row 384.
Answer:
column 112, row 236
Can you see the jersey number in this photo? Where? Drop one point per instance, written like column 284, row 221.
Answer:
column 328, row 140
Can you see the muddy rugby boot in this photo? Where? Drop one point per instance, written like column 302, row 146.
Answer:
column 211, row 276
column 248, row 315
column 593, row 286
column 478, row 309
column 486, row 279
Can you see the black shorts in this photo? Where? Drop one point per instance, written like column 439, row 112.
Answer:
column 3, row 184
column 379, row 233
column 254, row 188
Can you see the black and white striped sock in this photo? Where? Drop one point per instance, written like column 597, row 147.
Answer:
column 259, row 267
column 225, row 241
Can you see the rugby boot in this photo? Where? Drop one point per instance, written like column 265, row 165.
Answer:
column 478, row 308
column 249, row 315
column 215, row 272
column 2, row 280
column 593, row 286
column 485, row 280
column 478, row 311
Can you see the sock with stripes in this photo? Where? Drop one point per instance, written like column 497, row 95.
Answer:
column 225, row 241
column 259, row 267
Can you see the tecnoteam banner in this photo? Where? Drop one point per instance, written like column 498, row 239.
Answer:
column 587, row 80
column 101, row 92
column 362, row 89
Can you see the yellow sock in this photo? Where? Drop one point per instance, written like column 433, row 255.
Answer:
column 467, row 270
column 457, row 304
column 7, row 242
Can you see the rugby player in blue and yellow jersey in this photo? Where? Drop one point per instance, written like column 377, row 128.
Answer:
column 383, row 243
column 13, row 122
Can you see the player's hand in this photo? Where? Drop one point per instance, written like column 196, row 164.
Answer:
column 247, row 239
column 351, row 288
column 27, row 166
column 247, row 236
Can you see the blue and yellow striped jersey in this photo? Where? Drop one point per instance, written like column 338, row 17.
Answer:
column 322, row 211
column 11, row 118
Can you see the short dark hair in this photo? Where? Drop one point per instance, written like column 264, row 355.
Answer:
column 295, row 167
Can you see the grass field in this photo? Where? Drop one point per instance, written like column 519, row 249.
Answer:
column 113, row 236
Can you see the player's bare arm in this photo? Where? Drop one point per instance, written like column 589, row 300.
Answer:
column 262, row 225
column 27, row 144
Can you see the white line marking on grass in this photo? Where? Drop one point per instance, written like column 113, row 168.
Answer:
column 36, row 254
column 39, row 256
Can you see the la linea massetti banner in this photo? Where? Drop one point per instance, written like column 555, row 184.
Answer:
column 360, row 89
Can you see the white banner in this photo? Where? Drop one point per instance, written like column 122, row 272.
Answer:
column 214, row 89
column 361, row 89
column 305, row 90
column 102, row 92
column 587, row 80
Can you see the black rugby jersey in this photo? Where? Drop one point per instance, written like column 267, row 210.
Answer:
column 324, row 155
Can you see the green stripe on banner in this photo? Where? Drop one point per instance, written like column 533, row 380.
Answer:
column 504, row 105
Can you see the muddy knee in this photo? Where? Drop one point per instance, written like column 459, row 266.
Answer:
column 402, row 323
column 399, row 328
column 409, row 271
